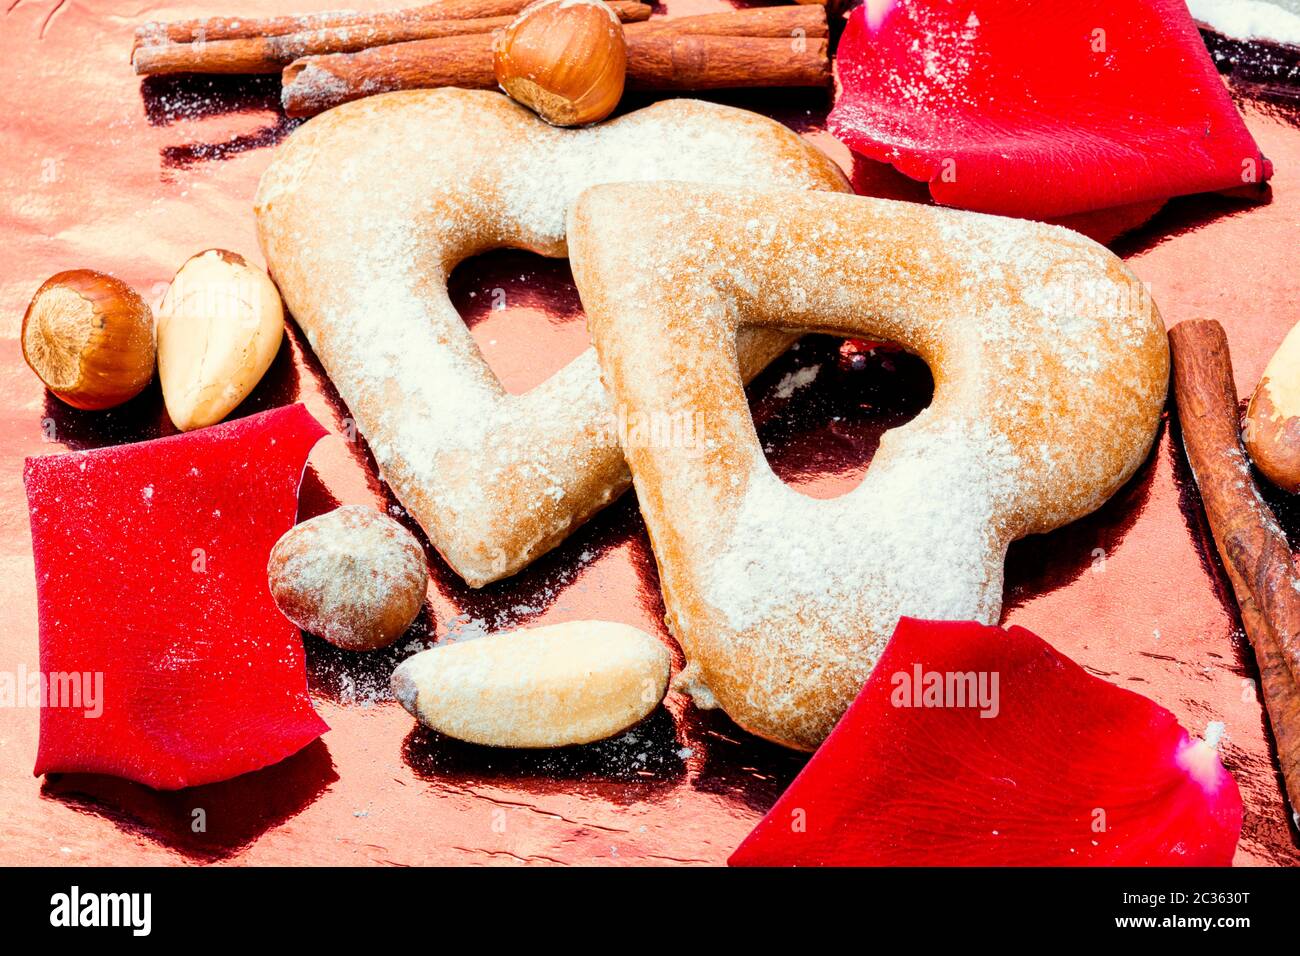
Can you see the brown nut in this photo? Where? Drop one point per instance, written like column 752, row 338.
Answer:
column 564, row 59
column 89, row 338
column 1272, row 434
column 353, row 576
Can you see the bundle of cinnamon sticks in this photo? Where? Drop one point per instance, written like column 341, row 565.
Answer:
column 331, row 58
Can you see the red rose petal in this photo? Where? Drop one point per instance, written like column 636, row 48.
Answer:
column 151, row 571
column 871, row 178
column 1072, row 770
column 1041, row 111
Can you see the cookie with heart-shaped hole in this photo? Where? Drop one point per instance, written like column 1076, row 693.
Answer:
column 362, row 215
column 1050, row 368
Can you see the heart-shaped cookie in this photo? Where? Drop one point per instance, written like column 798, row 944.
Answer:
column 1050, row 367
column 363, row 214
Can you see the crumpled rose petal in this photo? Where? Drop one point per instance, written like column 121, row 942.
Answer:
column 154, row 608
column 1041, row 111
column 1068, row 770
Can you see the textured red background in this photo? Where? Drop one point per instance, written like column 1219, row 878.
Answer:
column 99, row 170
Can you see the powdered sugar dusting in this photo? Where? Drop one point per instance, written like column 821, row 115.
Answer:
column 930, row 505
column 1248, row 19
column 1050, row 368
column 318, row 85
column 363, row 214
column 796, row 380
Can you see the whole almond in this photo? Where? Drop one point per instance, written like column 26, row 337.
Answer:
column 550, row 686
column 219, row 327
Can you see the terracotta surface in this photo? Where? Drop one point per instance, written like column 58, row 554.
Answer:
column 102, row 171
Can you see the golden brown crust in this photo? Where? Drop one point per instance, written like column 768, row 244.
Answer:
column 1050, row 366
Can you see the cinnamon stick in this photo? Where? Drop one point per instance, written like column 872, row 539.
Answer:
column 270, row 54
column 666, row 61
column 658, row 59
column 233, row 28
column 317, row 83
column 790, row 21
column 1252, row 546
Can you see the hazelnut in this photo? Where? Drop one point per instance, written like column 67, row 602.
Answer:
column 353, row 576
column 565, row 59
column 219, row 327
column 89, row 338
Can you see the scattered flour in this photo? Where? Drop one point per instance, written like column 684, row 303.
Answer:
column 1248, row 19
column 796, row 380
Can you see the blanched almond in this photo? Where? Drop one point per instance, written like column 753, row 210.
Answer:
column 550, row 686
column 1272, row 434
column 219, row 327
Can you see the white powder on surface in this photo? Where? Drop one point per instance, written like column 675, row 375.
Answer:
column 1050, row 368
column 465, row 627
column 796, row 380
column 363, row 214
column 1248, row 19
column 930, row 507
column 316, row 85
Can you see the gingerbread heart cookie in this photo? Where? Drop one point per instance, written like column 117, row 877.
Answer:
column 1050, row 367
column 362, row 215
